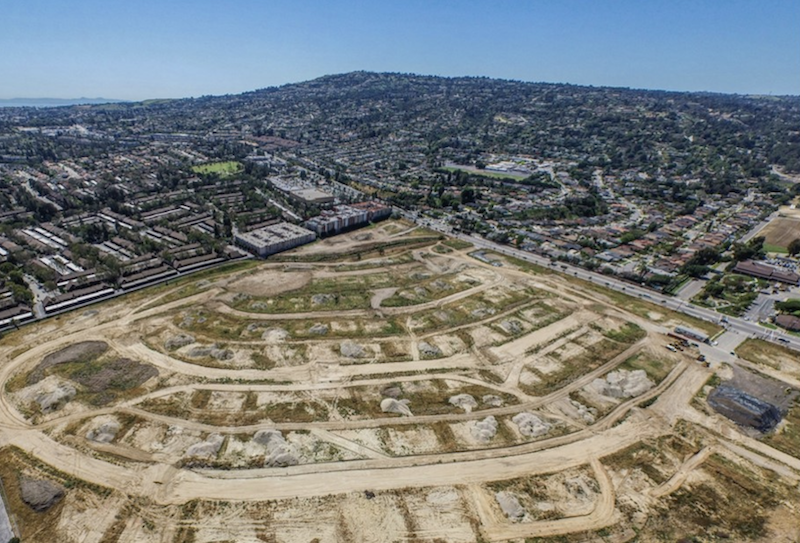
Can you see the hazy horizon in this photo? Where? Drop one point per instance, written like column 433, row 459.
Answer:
column 30, row 101
column 150, row 50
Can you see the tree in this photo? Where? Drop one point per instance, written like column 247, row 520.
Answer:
column 789, row 306
column 467, row 195
column 753, row 249
column 794, row 246
column 715, row 289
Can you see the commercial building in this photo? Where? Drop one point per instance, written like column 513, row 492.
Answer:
column 313, row 196
column 274, row 238
column 376, row 211
column 333, row 221
column 763, row 271
column 345, row 217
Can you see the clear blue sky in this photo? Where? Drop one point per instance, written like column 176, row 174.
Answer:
column 140, row 49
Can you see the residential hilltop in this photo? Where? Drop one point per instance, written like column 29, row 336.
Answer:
column 655, row 187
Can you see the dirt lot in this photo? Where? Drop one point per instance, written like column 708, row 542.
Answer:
column 451, row 400
column 781, row 231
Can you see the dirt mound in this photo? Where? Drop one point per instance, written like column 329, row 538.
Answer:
column 38, row 494
column 392, row 392
column 441, row 285
column 511, row 326
column 51, row 394
column 390, row 405
column 280, row 453
column 79, row 352
column 464, row 401
column 586, row 414
column 206, row 449
column 318, row 329
column 482, row 312
column 105, row 432
column 623, row 384
column 510, row 505
column 210, row 350
column 492, row 400
column 484, row 430
column 530, row 425
column 351, row 349
column 274, row 335
column 120, row 374
column 426, row 349
column 176, row 342
column 322, row 299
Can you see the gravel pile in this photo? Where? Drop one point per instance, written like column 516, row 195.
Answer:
column 321, row 299
column 482, row 312
column 280, row 453
column 623, row 384
column 511, row 326
column 206, row 449
column 392, row 392
column 211, row 350
column 351, row 349
column 274, row 335
column 510, row 505
column 176, row 342
column 55, row 396
column 484, row 430
column 464, row 401
column 530, row 425
column 586, row 414
column 40, row 495
column 318, row 329
column 105, row 432
column 400, row 407
column 426, row 349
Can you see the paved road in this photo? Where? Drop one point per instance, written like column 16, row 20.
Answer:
column 761, row 308
column 728, row 341
column 749, row 329
column 758, row 228
column 690, row 289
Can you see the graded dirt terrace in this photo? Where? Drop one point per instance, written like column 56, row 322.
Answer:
column 350, row 392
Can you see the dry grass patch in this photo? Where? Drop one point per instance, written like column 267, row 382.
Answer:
column 572, row 368
column 767, row 353
column 656, row 368
column 41, row 527
column 781, row 231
